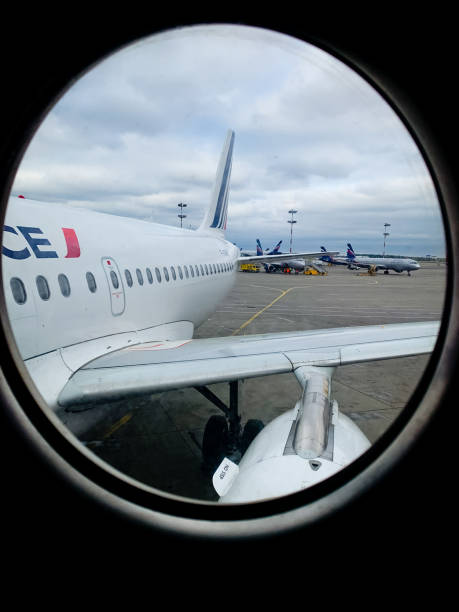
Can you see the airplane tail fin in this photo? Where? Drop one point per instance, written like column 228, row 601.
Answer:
column 325, row 257
column 350, row 251
column 259, row 249
column 276, row 248
column 215, row 218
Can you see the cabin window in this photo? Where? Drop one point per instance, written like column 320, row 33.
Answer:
column 43, row 287
column 174, row 276
column 197, row 270
column 215, row 269
column 139, row 276
column 18, row 290
column 158, row 274
column 128, row 276
column 186, row 271
column 91, row 282
column 166, row 273
column 149, row 275
column 115, row 281
column 207, row 269
column 192, row 271
column 64, row 285
column 180, row 273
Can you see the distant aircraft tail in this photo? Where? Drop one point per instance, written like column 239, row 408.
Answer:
column 327, row 258
column 215, row 218
column 259, row 249
column 276, row 248
column 350, row 251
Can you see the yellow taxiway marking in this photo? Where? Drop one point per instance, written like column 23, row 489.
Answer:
column 127, row 417
column 279, row 297
column 257, row 314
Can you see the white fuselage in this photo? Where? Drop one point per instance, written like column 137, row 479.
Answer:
column 397, row 264
column 35, row 247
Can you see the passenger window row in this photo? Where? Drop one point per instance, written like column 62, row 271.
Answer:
column 188, row 271
column 19, row 291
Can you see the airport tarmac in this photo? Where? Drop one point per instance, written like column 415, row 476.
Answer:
column 156, row 439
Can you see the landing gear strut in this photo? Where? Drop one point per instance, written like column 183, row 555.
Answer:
column 223, row 435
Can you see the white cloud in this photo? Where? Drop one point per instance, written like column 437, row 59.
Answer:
column 143, row 131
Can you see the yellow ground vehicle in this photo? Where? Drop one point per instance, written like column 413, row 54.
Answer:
column 314, row 272
column 249, row 267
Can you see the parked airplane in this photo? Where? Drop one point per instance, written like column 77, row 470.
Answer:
column 104, row 308
column 397, row 264
column 354, row 262
column 273, row 265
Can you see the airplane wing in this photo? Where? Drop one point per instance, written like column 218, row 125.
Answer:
column 282, row 257
column 165, row 365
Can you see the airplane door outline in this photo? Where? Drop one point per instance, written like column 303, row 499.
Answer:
column 115, row 285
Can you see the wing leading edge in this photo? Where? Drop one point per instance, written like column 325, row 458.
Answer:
column 283, row 256
column 162, row 366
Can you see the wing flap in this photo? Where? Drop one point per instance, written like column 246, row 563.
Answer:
column 157, row 367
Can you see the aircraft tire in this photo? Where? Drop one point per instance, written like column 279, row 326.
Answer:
column 214, row 442
column 251, row 429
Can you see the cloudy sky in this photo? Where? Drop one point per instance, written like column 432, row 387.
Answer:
column 143, row 132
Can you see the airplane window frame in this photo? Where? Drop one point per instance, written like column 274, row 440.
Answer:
column 337, row 490
column 42, row 283
column 64, row 285
column 18, row 282
column 91, row 282
column 128, row 277
column 114, row 279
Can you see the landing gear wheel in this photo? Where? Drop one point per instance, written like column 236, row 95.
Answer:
column 214, row 443
column 251, row 429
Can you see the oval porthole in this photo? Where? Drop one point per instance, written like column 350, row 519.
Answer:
column 18, row 290
column 324, row 154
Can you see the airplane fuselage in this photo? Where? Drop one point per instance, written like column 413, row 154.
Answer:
column 74, row 275
column 386, row 263
column 397, row 264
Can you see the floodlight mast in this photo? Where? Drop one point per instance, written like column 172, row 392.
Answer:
column 385, row 234
column 181, row 215
column 291, row 221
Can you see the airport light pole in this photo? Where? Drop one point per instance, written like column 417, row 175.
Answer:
column 291, row 221
column 181, row 215
column 386, row 233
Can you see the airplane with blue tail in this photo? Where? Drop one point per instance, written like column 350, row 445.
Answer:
column 397, row 264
